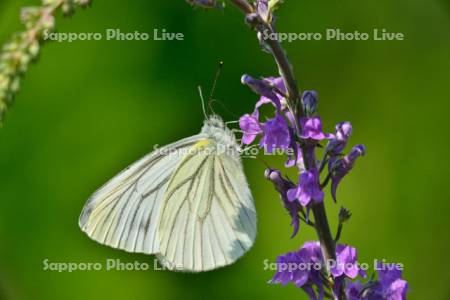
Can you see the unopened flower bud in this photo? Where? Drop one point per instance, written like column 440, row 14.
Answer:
column 282, row 186
column 357, row 151
column 310, row 101
column 341, row 167
column 344, row 215
column 252, row 19
column 337, row 144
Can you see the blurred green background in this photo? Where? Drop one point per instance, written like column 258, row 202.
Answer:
column 88, row 109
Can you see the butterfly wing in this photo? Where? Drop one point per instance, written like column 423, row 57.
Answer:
column 208, row 218
column 124, row 212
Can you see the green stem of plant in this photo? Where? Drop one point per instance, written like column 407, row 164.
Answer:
column 243, row 5
column 24, row 47
column 322, row 226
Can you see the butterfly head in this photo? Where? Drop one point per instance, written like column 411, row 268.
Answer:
column 216, row 130
column 215, row 121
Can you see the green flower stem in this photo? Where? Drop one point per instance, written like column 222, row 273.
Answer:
column 322, row 226
column 243, row 5
column 24, row 47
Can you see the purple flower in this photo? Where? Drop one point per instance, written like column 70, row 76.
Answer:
column 278, row 86
column 313, row 251
column 250, row 126
column 353, row 290
column 341, row 167
column 288, row 269
column 302, row 268
column 338, row 143
column 396, row 290
column 391, row 285
column 308, row 189
column 346, row 263
column 388, row 273
column 267, row 88
column 276, row 134
column 282, row 186
column 276, row 131
column 296, row 157
column 312, row 129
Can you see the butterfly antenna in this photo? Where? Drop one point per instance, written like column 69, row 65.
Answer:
column 213, row 89
column 224, row 107
column 203, row 101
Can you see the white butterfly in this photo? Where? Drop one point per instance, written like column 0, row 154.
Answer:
column 188, row 203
